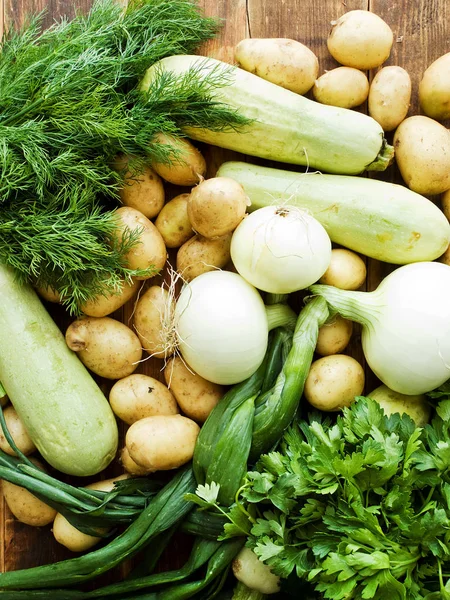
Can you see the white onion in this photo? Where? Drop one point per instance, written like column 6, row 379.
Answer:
column 280, row 249
column 222, row 327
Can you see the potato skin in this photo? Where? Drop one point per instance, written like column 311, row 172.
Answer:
column 153, row 318
column 190, row 166
column 200, row 255
column 445, row 203
column 173, row 222
column 422, row 151
column 143, row 190
column 70, row 537
column 195, row 395
column 138, row 396
column 162, row 443
column 346, row 271
column 434, row 89
column 150, row 251
column 130, row 465
column 344, row 87
column 334, row 336
column 282, row 61
column 392, row 402
column 105, row 346
column 360, row 39
column 18, row 433
column 102, row 306
column 390, row 97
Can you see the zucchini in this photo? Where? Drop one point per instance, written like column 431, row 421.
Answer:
column 382, row 220
column 64, row 411
column 284, row 126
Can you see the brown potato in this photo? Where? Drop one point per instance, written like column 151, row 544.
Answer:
column 334, row 336
column 138, row 396
column 105, row 346
column 105, row 305
column 282, row 61
column 195, row 395
column 346, row 271
column 389, row 97
column 49, row 294
column 143, row 190
column 200, row 255
column 18, row 433
column 162, row 443
column 150, row 251
column 153, row 322
column 130, row 465
column 173, row 222
column 344, row 87
column 187, row 168
column 434, row 89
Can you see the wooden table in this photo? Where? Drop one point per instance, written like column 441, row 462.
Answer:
column 421, row 34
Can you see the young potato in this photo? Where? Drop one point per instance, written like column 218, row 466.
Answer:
column 142, row 190
column 173, row 222
column 130, row 465
column 150, row 251
column 18, row 433
column 153, row 322
column 49, row 294
column 104, row 305
column 216, row 206
column 346, row 271
column 360, row 39
column 187, row 168
column 195, row 396
column 445, row 203
column 422, row 150
column 200, row 255
column 105, row 346
column 333, row 382
column 287, row 63
column 107, row 485
column 392, row 402
column 434, row 89
column 389, row 97
column 344, row 87
column 162, row 442
column 138, row 396
column 334, row 336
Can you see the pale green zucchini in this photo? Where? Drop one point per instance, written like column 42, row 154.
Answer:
column 382, row 220
column 285, row 126
column 65, row 412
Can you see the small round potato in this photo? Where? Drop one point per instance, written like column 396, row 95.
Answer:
column 49, row 294
column 334, row 336
column 333, row 382
column 163, row 442
column 422, row 151
column 344, row 87
column 104, row 305
column 150, row 251
column 130, row 465
column 287, row 63
column 187, row 168
column 153, row 322
column 360, row 39
column 142, row 190
column 71, row 537
column 347, row 270
column 138, row 396
column 389, row 97
column 18, row 433
column 216, row 206
column 105, row 346
column 392, row 402
column 200, row 255
column 107, row 485
column 173, row 222
column 434, row 89
column 195, row 395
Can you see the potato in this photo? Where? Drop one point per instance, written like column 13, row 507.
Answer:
column 392, row 402
column 187, row 168
column 105, row 346
column 150, row 251
column 173, row 222
column 434, row 89
column 445, row 203
column 162, row 442
column 333, row 382
column 107, row 485
column 360, row 39
column 18, row 433
column 48, row 293
column 344, row 87
column 138, row 396
column 195, row 396
column 104, row 305
column 130, row 466
column 346, row 271
column 422, row 150
column 71, row 537
column 142, row 190
column 287, row 63
column 200, row 255
column 216, row 206
column 153, row 322
column 389, row 97
column 334, row 336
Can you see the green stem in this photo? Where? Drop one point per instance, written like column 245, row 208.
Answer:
column 280, row 315
column 361, row 307
column 242, row 592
